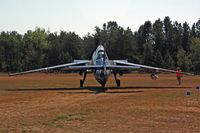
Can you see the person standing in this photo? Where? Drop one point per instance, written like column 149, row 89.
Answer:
column 179, row 75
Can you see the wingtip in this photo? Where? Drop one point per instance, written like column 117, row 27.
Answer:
column 9, row 74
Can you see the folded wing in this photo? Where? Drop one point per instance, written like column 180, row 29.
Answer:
column 68, row 66
column 124, row 64
column 114, row 65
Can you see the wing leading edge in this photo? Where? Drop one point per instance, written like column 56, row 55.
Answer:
column 75, row 63
column 82, row 65
column 127, row 64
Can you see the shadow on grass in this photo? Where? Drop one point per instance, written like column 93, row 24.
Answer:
column 94, row 89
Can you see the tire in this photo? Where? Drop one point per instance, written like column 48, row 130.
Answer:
column 118, row 83
column 81, row 83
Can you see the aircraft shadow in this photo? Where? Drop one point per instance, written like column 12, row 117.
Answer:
column 96, row 90
column 92, row 89
column 100, row 91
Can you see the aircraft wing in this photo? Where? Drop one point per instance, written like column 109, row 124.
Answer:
column 68, row 65
column 126, row 64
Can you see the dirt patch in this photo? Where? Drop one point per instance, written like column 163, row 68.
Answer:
column 55, row 103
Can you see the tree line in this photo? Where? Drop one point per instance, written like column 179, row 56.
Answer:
column 163, row 43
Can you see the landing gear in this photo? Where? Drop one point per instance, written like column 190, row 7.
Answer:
column 83, row 80
column 117, row 80
column 103, row 87
column 153, row 75
column 81, row 83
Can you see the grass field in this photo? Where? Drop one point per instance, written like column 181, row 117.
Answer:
column 55, row 103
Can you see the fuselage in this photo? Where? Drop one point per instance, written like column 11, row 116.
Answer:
column 100, row 57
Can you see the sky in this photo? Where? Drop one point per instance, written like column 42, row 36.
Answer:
column 81, row 16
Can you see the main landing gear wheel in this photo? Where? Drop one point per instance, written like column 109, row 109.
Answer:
column 81, row 83
column 103, row 87
column 118, row 82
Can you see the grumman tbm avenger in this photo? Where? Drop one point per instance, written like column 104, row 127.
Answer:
column 102, row 67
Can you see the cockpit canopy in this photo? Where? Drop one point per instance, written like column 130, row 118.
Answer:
column 101, row 54
column 100, row 57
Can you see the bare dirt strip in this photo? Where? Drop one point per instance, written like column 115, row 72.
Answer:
column 55, row 103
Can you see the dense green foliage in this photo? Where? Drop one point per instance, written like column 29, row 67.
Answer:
column 164, row 44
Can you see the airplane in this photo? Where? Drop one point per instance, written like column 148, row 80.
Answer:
column 102, row 68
